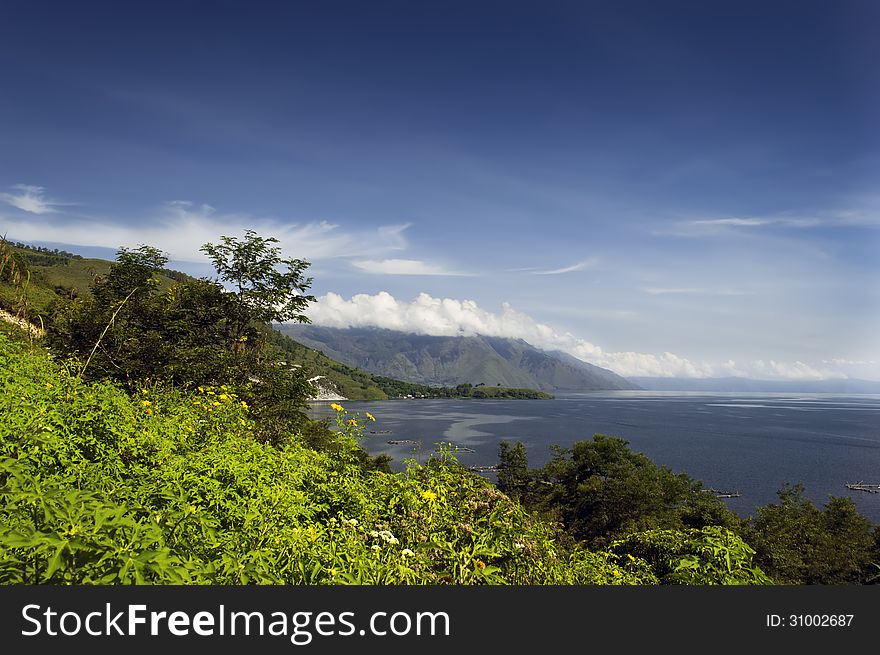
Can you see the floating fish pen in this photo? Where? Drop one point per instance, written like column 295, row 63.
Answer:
column 403, row 442
column 484, row 469
column 863, row 486
column 722, row 494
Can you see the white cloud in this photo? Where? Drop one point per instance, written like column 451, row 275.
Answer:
column 449, row 317
column 180, row 228
column 867, row 217
column 792, row 371
column 30, row 199
column 580, row 266
column 401, row 267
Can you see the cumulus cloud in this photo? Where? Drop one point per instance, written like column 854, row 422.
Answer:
column 449, row 317
column 402, row 267
column 31, row 199
column 180, row 228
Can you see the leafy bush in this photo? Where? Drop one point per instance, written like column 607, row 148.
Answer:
column 708, row 556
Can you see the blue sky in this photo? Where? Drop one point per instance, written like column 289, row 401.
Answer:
column 673, row 188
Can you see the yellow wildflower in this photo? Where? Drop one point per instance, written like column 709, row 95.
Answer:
column 244, row 404
column 149, row 411
column 352, row 422
column 370, row 416
column 481, row 564
column 429, row 495
column 146, row 403
column 224, row 397
column 338, row 408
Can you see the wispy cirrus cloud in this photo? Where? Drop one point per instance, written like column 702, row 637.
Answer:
column 663, row 291
column 863, row 217
column 31, row 199
column 737, row 222
column 402, row 267
column 180, row 228
column 580, row 266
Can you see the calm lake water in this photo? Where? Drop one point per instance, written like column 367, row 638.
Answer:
column 751, row 443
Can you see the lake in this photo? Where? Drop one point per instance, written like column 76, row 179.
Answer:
column 750, row 443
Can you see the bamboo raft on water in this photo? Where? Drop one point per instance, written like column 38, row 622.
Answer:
column 863, row 486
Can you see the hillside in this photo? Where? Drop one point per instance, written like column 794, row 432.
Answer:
column 54, row 275
column 493, row 361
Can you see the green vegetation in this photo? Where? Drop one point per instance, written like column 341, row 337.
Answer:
column 162, row 442
column 607, row 496
column 802, row 544
column 481, row 391
column 49, row 277
column 160, row 485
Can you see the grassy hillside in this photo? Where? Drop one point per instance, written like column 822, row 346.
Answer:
column 49, row 276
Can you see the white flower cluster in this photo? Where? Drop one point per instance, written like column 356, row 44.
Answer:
column 386, row 536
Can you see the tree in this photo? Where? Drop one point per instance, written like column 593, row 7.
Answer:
column 602, row 490
column 513, row 469
column 798, row 543
column 134, row 273
column 262, row 292
column 115, row 331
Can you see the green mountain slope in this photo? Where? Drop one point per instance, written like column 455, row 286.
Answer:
column 493, row 361
column 50, row 275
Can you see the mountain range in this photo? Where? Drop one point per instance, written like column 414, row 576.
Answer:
column 450, row 361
